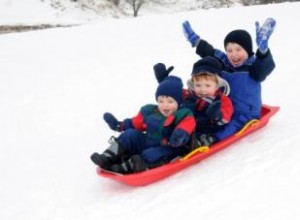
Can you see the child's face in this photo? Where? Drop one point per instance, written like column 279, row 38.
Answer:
column 236, row 54
column 205, row 87
column 167, row 105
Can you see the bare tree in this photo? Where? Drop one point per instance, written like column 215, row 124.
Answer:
column 136, row 5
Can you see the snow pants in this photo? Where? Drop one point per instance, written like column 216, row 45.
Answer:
column 134, row 142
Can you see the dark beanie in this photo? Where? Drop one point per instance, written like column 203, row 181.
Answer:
column 207, row 65
column 171, row 86
column 241, row 37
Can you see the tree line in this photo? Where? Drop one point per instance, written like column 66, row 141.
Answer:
column 136, row 5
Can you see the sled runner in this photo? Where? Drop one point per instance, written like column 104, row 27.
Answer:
column 153, row 175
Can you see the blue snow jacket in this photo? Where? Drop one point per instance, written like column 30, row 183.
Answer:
column 245, row 83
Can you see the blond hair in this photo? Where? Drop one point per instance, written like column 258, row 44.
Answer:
column 205, row 76
column 208, row 76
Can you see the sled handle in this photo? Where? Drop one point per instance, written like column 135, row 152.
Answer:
column 202, row 149
column 246, row 126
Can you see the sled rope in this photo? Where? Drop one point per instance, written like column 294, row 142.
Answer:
column 204, row 149
column 246, row 126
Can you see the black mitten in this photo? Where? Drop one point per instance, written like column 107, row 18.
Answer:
column 161, row 72
column 213, row 112
column 112, row 122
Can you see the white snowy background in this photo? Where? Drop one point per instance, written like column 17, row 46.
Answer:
column 55, row 85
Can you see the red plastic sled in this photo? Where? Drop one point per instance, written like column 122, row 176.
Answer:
column 153, row 175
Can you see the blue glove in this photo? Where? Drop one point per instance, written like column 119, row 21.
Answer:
column 206, row 140
column 179, row 138
column 112, row 122
column 189, row 33
column 161, row 72
column 263, row 34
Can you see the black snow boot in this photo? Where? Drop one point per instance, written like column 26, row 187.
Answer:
column 135, row 164
column 113, row 154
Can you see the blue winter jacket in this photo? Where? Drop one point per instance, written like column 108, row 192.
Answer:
column 245, row 84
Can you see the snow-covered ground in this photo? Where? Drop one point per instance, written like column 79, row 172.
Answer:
column 55, row 85
column 34, row 12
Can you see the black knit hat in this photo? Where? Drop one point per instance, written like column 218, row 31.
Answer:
column 207, row 65
column 241, row 37
column 171, row 86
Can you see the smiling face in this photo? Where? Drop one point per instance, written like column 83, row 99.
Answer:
column 236, row 54
column 166, row 105
column 205, row 85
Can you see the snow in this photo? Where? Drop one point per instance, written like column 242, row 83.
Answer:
column 47, row 12
column 55, row 85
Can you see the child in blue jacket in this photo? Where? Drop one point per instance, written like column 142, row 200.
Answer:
column 243, row 70
column 156, row 135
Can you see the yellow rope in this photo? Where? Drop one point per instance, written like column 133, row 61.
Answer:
column 246, row 126
column 204, row 149
column 201, row 149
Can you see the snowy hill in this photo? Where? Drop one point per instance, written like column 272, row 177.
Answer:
column 33, row 12
column 55, row 85
column 82, row 11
